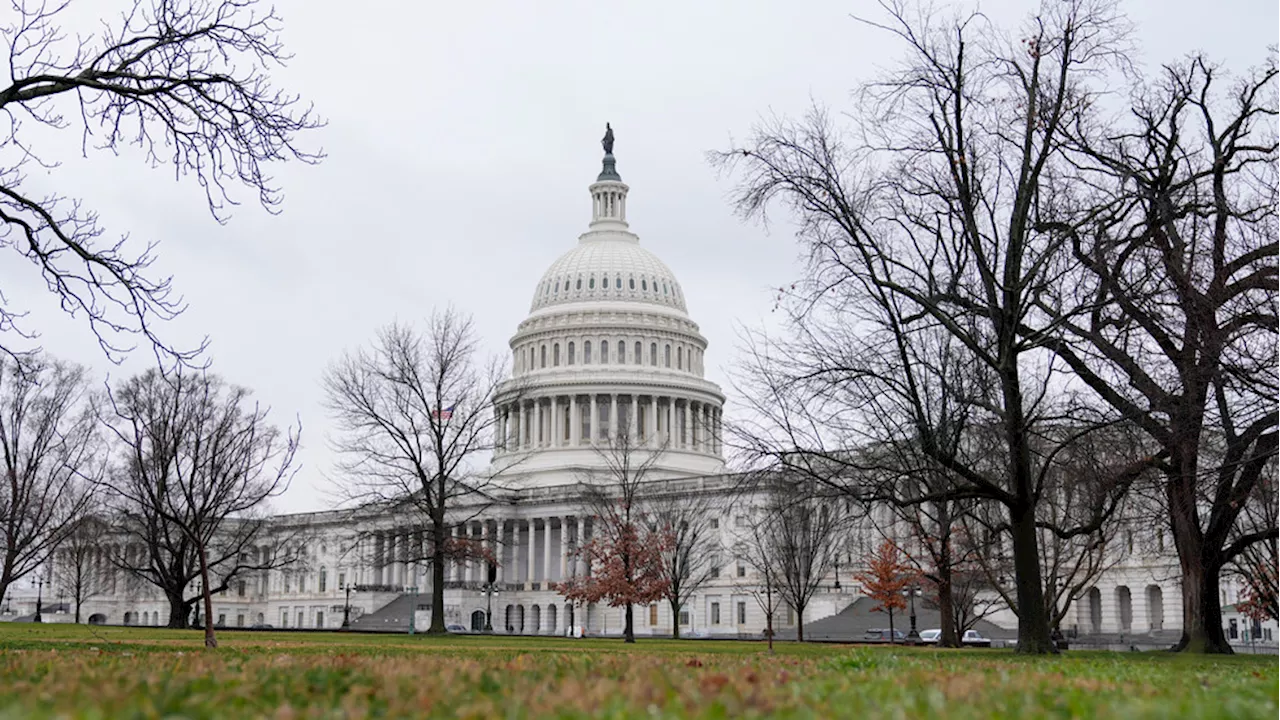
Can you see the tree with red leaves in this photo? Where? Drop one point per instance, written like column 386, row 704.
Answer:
column 624, row 555
column 885, row 579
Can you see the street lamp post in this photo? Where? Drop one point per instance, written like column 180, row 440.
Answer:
column 490, row 591
column 836, row 587
column 39, row 599
column 913, row 636
column 346, row 609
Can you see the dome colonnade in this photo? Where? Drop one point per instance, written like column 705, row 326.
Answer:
column 608, row 347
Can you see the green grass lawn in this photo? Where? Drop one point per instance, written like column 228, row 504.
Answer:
column 57, row 671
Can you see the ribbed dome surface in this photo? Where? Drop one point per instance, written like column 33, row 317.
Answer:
column 608, row 269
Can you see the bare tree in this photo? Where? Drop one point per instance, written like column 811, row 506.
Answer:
column 415, row 417
column 755, row 546
column 1177, row 245
column 78, row 567
column 49, row 445
column 187, row 82
column 196, row 463
column 799, row 527
column 922, row 236
column 627, row 552
column 685, row 518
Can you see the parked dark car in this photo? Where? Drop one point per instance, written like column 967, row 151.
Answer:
column 883, row 634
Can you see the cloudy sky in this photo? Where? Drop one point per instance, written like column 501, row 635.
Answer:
column 461, row 138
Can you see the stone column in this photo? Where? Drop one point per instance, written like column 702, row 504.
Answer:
column 695, row 409
column 514, row 576
column 564, row 548
column 529, row 556
column 592, row 422
column 633, row 419
column 546, row 551
column 671, row 422
column 500, row 528
column 575, row 421
column 555, row 422
column 538, row 437
column 613, row 416
column 652, row 421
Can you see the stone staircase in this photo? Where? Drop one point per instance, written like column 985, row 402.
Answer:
column 394, row 616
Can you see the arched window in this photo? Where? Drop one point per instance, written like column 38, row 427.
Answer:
column 555, row 354
column 571, row 352
column 644, row 285
column 668, row 355
column 617, row 283
column 679, row 358
column 639, row 358
column 544, row 357
column 586, row 353
column 664, row 288
column 579, row 282
column 631, row 283
column 604, row 352
column 653, row 354
column 604, row 281
column 591, row 283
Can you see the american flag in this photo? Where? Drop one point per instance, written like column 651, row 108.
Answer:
column 444, row 414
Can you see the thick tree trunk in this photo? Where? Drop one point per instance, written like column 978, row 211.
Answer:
column 950, row 636
column 675, row 619
column 1034, row 636
column 1201, row 608
column 800, row 624
column 437, row 577
column 892, row 636
column 629, row 630
column 178, row 610
column 210, row 638
column 768, row 629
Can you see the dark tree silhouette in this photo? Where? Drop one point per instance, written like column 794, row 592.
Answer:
column 196, row 462
column 50, row 452
column 187, row 82
column 415, row 418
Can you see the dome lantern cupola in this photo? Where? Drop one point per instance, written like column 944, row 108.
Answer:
column 608, row 193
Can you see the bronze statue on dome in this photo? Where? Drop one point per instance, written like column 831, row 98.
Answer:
column 607, row 141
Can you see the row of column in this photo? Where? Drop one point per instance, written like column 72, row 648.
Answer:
column 577, row 420
column 537, row 550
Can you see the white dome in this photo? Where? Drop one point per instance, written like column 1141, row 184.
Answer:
column 608, row 269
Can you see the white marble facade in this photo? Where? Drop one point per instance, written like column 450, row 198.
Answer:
column 608, row 343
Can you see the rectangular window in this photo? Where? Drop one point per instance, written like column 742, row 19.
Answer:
column 239, row 620
column 1235, row 630
column 639, row 356
column 300, row 618
column 653, row 354
column 742, row 613
column 742, row 569
column 240, row 588
column 284, row 618
column 342, row 580
column 684, row 616
column 715, row 523
column 320, row 618
column 603, row 420
column 222, row 619
column 653, row 614
column 715, row 613
column 324, row 580
column 604, row 352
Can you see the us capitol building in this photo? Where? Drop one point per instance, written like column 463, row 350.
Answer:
column 608, row 340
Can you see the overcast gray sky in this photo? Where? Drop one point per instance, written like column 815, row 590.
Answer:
column 461, row 139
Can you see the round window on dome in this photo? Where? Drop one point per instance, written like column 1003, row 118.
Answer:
column 579, row 282
column 644, row 284
column 664, row 289
column 631, row 282
column 591, row 283
column 618, row 283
